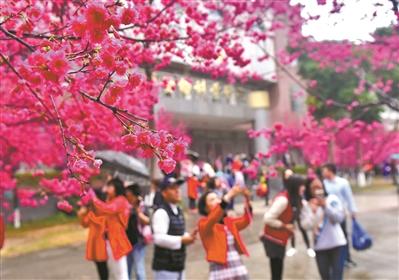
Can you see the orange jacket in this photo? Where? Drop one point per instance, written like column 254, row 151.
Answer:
column 214, row 237
column 95, row 246
column 116, row 214
column 192, row 187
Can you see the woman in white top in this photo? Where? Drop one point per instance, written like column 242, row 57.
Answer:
column 324, row 215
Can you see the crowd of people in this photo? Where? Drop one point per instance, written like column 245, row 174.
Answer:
column 122, row 222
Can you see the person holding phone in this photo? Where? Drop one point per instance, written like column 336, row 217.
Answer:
column 170, row 236
column 220, row 235
column 327, row 212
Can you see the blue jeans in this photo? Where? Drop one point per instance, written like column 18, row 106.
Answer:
column 168, row 275
column 136, row 258
column 329, row 263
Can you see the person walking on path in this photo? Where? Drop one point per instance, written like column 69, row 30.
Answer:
column 279, row 220
column 138, row 221
column 116, row 211
column 170, row 237
column 341, row 188
column 220, row 235
column 324, row 218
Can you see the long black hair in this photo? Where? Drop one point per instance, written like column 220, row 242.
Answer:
column 292, row 185
column 118, row 185
column 202, row 206
column 202, row 203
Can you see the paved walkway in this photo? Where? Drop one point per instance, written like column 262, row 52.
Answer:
column 378, row 213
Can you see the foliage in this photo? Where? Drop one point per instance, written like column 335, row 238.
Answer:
column 346, row 143
column 333, row 87
column 340, row 93
column 78, row 75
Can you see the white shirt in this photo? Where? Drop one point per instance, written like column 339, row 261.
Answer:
column 160, row 226
column 341, row 188
column 149, row 199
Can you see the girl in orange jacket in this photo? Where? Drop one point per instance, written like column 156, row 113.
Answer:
column 220, row 235
column 95, row 245
column 116, row 211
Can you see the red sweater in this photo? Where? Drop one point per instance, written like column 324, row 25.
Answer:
column 280, row 235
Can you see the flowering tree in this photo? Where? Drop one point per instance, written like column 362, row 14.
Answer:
column 72, row 69
column 348, row 144
column 77, row 75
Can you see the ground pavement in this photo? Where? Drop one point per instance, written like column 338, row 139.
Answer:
column 378, row 213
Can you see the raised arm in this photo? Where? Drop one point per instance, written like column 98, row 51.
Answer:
column 244, row 221
column 108, row 208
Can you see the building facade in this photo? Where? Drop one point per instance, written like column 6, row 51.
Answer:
column 218, row 114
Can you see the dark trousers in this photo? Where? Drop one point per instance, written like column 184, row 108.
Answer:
column 276, row 266
column 328, row 263
column 191, row 203
column 304, row 236
column 346, row 252
column 102, row 270
column 276, row 254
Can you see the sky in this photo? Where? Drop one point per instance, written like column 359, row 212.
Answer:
column 355, row 22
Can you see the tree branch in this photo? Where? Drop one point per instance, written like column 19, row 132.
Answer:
column 116, row 110
column 109, row 80
column 154, row 40
column 14, row 15
column 150, row 20
column 19, row 40
column 26, row 83
column 64, row 140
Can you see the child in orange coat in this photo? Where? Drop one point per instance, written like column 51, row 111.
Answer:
column 220, row 235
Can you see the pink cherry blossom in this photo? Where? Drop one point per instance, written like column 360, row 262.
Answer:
column 64, row 206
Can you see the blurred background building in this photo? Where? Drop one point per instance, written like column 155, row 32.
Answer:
column 219, row 114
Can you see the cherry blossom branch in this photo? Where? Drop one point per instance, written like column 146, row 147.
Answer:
column 109, row 80
column 49, row 37
column 335, row 103
column 150, row 20
column 31, row 120
column 155, row 40
column 384, row 98
column 79, row 70
column 114, row 110
column 64, row 143
column 117, row 3
column 16, row 38
column 16, row 14
column 26, row 83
